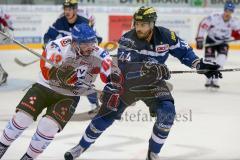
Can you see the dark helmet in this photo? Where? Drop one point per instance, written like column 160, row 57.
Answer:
column 229, row 5
column 70, row 3
column 145, row 14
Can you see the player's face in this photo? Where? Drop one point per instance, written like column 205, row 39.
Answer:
column 70, row 14
column 227, row 15
column 143, row 29
column 84, row 49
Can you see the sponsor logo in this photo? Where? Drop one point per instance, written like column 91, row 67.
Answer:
column 65, row 42
column 162, row 48
column 28, row 106
column 32, row 100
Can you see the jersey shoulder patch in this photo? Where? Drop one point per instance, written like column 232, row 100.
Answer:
column 168, row 34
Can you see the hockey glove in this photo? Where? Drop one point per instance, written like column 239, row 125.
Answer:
column 112, row 91
column 209, row 69
column 199, row 42
column 158, row 71
column 236, row 34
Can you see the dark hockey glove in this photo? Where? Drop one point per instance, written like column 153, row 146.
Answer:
column 63, row 76
column 209, row 69
column 157, row 71
column 112, row 91
column 111, row 95
column 199, row 42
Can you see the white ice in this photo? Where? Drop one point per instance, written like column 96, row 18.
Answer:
column 207, row 126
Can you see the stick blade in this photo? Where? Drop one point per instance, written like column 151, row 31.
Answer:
column 24, row 64
column 20, row 62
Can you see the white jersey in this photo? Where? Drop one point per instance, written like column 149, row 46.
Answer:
column 216, row 28
column 87, row 68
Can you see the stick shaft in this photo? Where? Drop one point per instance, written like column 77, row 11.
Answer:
column 28, row 49
column 218, row 43
column 195, row 71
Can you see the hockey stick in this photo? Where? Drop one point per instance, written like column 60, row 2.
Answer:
column 109, row 46
column 218, row 43
column 24, row 64
column 202, row 71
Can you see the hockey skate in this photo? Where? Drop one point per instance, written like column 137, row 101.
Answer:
column 74, row 153
column 212, row 85
column 152, row 156
column 3, row 149
column 207, row 85
column 215, row 85
column 26, row 157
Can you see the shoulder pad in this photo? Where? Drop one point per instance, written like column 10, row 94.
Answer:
column 215, row 15
column 61, row 15
column 60, row 43
column 169, row 35
column 82, row 19
column 127, row 39
column 235, row 19
column 129, row 33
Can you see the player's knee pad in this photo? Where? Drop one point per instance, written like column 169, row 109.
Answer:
column 23, row 119
column 15, row 127
column 221, row 59
column 48, row 127
column 165, row 117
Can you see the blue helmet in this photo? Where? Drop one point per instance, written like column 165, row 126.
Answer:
column 83, row 33
column 229, row 5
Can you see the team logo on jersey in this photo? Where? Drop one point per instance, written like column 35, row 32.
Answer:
column 162, row 48
column 65, row 42
column 55, row 45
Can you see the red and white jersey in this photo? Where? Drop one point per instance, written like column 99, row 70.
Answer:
column 5, row 20
column 217, row 29
column 87, row 68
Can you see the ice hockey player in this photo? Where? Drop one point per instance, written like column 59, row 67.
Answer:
column 218, row 28
column 63, row 26
column 71, row 16
column 79, row 60
column 141, row 56
column 5, row 26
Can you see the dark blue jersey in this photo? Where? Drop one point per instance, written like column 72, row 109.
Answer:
column 62, row 28
column 157, row 50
